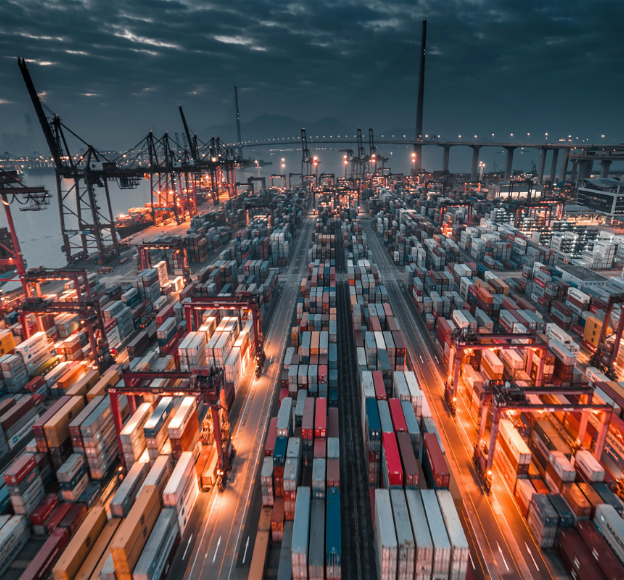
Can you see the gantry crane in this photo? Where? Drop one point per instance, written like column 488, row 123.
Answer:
column 500, row 396
column 90, row 314
column 602, row 359
column 12, row 189
column 203, row 383
column 173, row 171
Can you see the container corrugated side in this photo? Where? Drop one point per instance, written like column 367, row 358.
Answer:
column 385, row 536
column 316, row 554
column 301, row 534
column 158, row 547
column 124, row 497
column 460, row 549
column 333, row 535
column 441, row 542
column 284, row 570
column 422, row 536
column 405, row 537
column 611, row 526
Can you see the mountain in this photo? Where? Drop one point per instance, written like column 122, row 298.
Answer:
column 267, row 127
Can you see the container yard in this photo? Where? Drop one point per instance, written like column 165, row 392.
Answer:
column 102, row 484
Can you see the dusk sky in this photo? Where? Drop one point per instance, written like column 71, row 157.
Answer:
column 114, row 70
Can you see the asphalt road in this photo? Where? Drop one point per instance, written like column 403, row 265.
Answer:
column 218, row 542
column 500, row 542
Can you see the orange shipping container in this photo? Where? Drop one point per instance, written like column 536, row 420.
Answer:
column 129, row 542
column 56, row 430
column 111, row 377
column 84, row 384
column 99, row 549
column 80, row 545
column 76, row 371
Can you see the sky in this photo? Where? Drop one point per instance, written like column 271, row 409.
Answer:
column 114, row 70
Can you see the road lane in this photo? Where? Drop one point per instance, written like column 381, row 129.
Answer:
column 216, row 533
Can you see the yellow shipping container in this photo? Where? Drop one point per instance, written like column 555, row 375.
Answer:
column 7, row 342
column 593, row 327
column 99, row 549
column 264, row 523
column 56, row 430
column 80, row 545
column 111, row 377
column 128, row 544
column 83, row 385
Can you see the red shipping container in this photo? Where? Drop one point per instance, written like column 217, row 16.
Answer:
column 283, row 395
column 16, row 412
column 375, row 325
column 19, row 470
column 600, row 550
column 307, row 422
column 42, row 513
column 269, row 445
column 32, row 386
column 396, row 412
column 391, row 462
column 74, row 517
column 6, row 405
column 576, row 557
column 57, row 517
column 333, row 422
column 322, row 374
column 408, row 460
column 320, row 448
column 439, row 469
column 380, row 388
column 42, row 564
column 166, row 312
column 333, row 473
column 320, row 418
column 38, row 425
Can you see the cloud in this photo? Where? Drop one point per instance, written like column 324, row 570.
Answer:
column 493, row 66
column 129, row 35
column 240, row 40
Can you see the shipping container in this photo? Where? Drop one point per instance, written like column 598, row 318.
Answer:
column 301, row 534
column 441, row 543
column 422, row 536
column 385, row 538
column 406, row 550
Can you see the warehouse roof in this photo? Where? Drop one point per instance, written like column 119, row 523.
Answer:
column 581, row 272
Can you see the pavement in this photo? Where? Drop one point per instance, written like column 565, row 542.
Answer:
column 218, row 542
column 501, row 545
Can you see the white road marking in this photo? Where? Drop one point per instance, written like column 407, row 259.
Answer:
column 437, row 359
column 246, row 546
column 531, row 554
column 187, row 547
column 219, row 543
column 422, row 360
column 502, row 556
column 472, row 561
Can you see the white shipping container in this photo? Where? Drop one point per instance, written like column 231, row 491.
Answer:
column 460, row 550
column 126, row 493
column 156, row 552
column 401, row 389
column 611, row 526
column 514, row 441
column 422, row 536
column 182, row 417
column 284, row 416
column 589, row 465
column 439, row 536
column 385, row 538
column 405, row 538
column 554, row 331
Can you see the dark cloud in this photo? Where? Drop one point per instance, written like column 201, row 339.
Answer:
column 115, row 69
